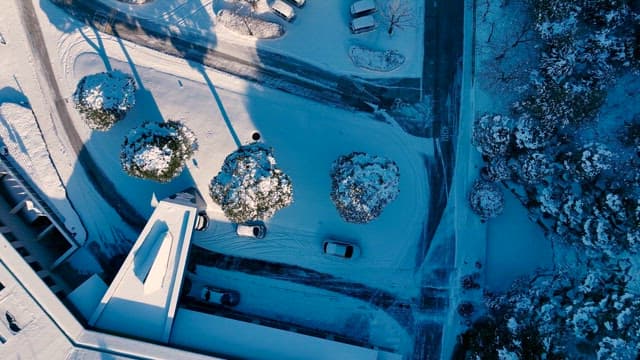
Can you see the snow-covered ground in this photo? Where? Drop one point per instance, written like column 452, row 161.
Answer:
column 309, row 307
column 224, row 112
column 319, row 35
column 26, row 149
column 300, row 132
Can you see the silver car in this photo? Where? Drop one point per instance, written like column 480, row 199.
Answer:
column 255, row 230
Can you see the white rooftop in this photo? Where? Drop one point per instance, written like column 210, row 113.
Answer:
column 211, row 333
column 142, row 299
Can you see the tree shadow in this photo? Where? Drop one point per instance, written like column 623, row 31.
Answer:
column 11, row 95
column 216, row 97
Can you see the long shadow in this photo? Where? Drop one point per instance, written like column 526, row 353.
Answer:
column 223, row 112
column 98, row 46
column 11, row 95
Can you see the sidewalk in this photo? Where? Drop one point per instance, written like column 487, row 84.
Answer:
column 470, row 232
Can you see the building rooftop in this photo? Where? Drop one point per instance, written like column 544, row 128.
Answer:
column 142, row 299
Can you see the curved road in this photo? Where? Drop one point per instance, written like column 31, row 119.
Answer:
column 274, row 70
column 99, row 180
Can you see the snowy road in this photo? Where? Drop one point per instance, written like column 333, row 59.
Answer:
column 98, row 178
column 312, row 307
column 274, row 70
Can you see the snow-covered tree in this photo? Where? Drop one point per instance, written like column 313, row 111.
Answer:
column 486, row 199
column 398, row 14
column 250, row 186
column 497, row 169
column 587, row 163
column 157, row 151
column 492, row 134
column 533, row 167
column 560, row 315
column 531, row 134
column 362, row 185
column 104, row 98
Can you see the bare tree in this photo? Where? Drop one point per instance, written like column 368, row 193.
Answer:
column 398, row 14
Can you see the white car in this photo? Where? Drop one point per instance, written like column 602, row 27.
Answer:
column 283, row 10
column 253, row 229
column 340, row 249
column 298, row 3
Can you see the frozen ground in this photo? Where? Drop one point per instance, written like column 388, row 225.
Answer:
column 319, row 35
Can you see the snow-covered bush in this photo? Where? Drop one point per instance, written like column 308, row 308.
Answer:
column 492, row 134
column 574, row 101
column 498, row 169
column 249, row 26
column 588, row 162
column 362, row 185
column 486, row 199
column 250, row 186
column 157, row 151
column 375, row 60
column 104, row 98
column 533, row 167
column 532, row 134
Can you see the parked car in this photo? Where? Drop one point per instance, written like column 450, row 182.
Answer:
column 298, row 3
column 363, row 7
column 220, row 296
column 253, row 229
column 340, row 249
column 283, row 10
column 362, row 24
column 202, row 221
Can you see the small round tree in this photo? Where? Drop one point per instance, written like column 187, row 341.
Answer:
column 486, row 199
column 492, row 134
column 250, row 186
column 157, row 151
column 362, row 185
column 104, row 98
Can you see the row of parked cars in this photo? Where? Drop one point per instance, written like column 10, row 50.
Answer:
column 362, row 20
column 331, row 246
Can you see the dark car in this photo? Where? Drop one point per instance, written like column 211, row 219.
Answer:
column 340, row 249
column 220, row 296
column 202, row 221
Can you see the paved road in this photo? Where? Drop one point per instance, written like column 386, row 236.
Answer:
column 399, row 309
column 272, row 69
column 99, row 180
column 441, row 71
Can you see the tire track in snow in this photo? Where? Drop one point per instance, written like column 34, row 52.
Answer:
column 98, row 178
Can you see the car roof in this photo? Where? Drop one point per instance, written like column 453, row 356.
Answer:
column 284, row 8
column 362, row 22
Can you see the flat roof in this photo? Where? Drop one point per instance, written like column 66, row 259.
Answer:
column 141, row 301
column 235, row 338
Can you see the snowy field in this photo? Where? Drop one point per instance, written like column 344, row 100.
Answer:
column 307, row 137
column 319, row 35
column 224, row 112
column 309, row 307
